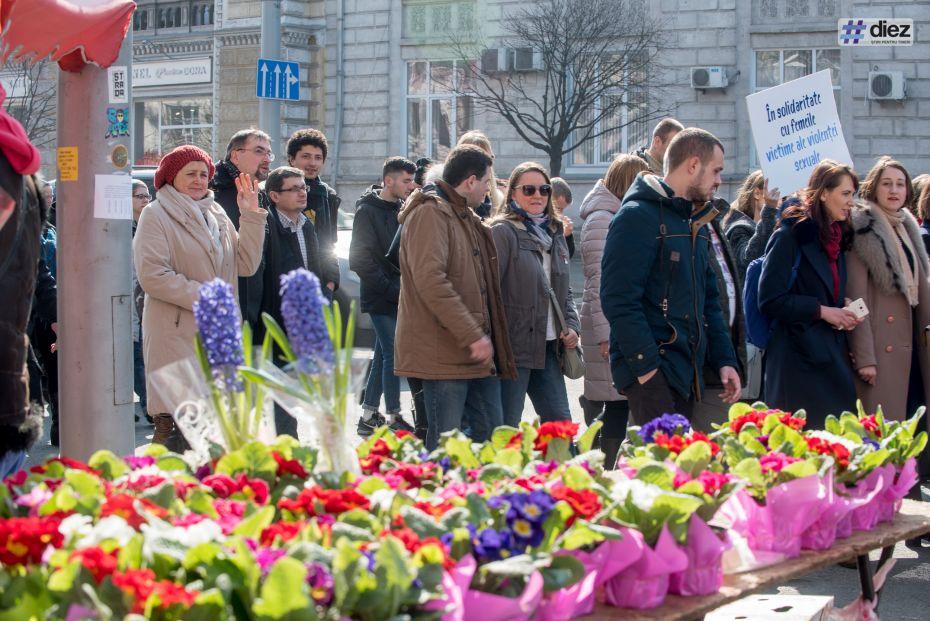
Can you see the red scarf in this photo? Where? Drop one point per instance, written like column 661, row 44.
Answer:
column 832, row 249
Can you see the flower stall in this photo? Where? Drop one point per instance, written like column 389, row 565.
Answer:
column 527, row 525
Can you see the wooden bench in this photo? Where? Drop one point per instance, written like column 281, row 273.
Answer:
column 912, row 521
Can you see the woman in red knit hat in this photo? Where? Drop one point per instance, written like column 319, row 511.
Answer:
column 183, row 240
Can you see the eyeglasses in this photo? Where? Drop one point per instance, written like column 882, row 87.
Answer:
column 530, row 190
column 296, row 188
column 260, row 152
column 142, row 196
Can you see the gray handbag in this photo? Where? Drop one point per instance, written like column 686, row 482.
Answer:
column 571, row 360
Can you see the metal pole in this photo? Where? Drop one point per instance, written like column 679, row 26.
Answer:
column 269, row 110
column 94, row 269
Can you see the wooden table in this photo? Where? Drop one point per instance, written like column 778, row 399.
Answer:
column 912, row 521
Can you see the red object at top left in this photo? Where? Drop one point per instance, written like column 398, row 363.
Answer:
column 68, row 31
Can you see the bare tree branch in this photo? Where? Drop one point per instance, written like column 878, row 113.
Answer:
column 31, row 99
column 599, row 57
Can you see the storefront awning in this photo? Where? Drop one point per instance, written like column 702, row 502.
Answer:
column 72, row 32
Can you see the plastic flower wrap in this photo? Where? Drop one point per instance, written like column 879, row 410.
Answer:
column 321, row 374
column 213, row 405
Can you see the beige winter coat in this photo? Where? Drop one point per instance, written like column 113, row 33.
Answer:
column 597, row 210
column 173, row 255
column 886, row 339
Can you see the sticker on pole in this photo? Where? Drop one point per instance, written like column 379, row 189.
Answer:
column 795, row 125
column 67, row 163
column 118, row 85
column 277, row 79
column 113, row 197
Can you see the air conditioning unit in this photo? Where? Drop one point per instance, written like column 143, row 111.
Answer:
column 495, row 60
column 887, row 85
column 708, row 77
column 527, row 59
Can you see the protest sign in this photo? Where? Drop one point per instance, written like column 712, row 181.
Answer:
column 795, row 125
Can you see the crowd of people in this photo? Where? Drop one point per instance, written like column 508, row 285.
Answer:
column 466, row 279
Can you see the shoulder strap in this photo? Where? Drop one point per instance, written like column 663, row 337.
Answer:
column 558, row 311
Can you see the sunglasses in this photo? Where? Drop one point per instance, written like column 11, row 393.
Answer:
column 141, row 196
column 530, row 190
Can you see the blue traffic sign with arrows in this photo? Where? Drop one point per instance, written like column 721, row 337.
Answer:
column 277, row 79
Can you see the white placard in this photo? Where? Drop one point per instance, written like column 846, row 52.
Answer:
column 118, row 84
column 795, row 125
column 113, row 197
column 166, row 72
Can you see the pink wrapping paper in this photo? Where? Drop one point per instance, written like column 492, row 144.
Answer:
column 644, row 584
column 823, row 532
column 865, row 516
column 602, row 564
column 791, row 508
column 704, row 573
column 464, row 604
column 901, row 483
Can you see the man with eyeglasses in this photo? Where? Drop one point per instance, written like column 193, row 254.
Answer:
column 307, row 150
column 248, row 151
column 290, row 243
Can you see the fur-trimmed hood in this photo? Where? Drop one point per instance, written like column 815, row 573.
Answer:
column 873, row 242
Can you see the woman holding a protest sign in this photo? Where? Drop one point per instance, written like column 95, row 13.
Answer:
column 803, row 290
column 888, row 269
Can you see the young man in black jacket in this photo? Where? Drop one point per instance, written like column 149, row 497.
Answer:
column 291, row 243
column 307, row 150
column 373, row 231
column 248, row 151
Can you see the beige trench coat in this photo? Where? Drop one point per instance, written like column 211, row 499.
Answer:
column 887, row 337
column 173, row 257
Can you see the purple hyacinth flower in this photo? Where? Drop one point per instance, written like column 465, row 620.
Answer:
column 321, row 583
column 302, row 310
column 669, row 424
column 220, row 326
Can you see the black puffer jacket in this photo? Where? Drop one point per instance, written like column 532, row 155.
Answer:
column 250, row 287
column 373, row 231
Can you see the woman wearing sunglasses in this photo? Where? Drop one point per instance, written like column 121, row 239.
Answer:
column 533, row 258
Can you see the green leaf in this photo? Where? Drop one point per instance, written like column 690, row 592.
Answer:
column 586, row 441
column 509, row 457
column 751, row 470
column 284, row 592
column 584, row 533
column 487, row 453
column 502, row 436
column 694, row 459
column 559, row 449
column 354, row 533
column 371, row 485
column 562, row 572
column 208, row 606
column 274, row 329
column 110, row 466
column 172, row 463
column 458, row 447
column 577, row 478
column 478, row 507
column 253, row 525
column 739, row 409
column 422, row 524
column 62, row 581
column 395, row 573
column 656, row 474
column 798, row 470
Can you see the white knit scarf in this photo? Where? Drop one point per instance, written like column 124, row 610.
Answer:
column 198, row 209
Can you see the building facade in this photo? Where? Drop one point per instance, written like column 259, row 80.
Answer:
column 374, row 76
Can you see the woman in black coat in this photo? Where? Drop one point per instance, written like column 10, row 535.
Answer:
column 807, row 363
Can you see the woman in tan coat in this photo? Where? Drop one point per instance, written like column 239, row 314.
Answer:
column 888, row 269
column 183, row 240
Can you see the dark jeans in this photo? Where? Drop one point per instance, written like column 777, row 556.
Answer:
column 545, row 387
column 448, row 400
column 381, row 378
column 655, row 398
column 616, row 415
column 138, row 373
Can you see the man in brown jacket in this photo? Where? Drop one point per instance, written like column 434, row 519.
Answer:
column 451, row 327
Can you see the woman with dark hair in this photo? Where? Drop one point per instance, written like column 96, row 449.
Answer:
column 803, row 290
column 751, row 221
column 533, row 259
column 888, row 269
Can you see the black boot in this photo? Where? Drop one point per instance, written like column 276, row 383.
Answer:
column 610, row 447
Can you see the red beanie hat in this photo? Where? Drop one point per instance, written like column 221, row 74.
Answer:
column 179, row 157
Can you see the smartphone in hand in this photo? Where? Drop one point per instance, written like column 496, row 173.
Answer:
column 859, row 308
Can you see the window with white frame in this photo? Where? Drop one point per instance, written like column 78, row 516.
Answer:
column 774, row 67
column 626, row 124
column 169, row 123
column 436, row 117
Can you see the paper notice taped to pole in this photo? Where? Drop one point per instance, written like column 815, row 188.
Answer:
column 794, row 126
column 113, row 197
